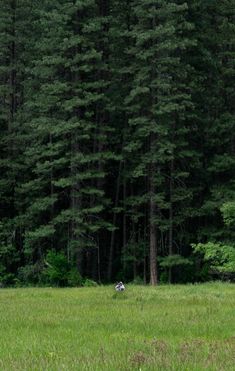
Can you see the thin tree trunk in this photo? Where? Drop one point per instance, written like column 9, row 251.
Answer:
column 152, row 188
column 75, row 199
column 76, row 206
column 98, row 262
column 51, row 190
column 171, row 217
column 134, row 250
column 153, row 244
column 124, row 230
column 111, row 251
column 152, row 215
column 145, row 242
column 68, row 244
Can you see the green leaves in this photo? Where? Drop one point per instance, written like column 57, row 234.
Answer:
column 42, row 204
column 108, row 107
column 228, row 212
column 157, row 106
column 43, row 231
column 220, row 256
column 174, row 260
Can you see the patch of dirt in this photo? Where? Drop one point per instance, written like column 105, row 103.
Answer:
column 139, row 358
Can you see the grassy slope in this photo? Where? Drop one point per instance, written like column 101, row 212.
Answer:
column 145, row 328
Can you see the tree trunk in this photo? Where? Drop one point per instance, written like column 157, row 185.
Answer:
column 152, row 186
column 153, row 243
column 171, row 216
column 111, row 251
column 152, row 215
column 124, row 230
column 75, row 206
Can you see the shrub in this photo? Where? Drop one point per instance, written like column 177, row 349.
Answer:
column 30, row 274
column 138, row 281
column 56, row 271
column 220, row 258
column 74, row 278
column 6, row 279
column 89, row 283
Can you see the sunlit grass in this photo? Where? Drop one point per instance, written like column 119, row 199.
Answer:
column 164, row 328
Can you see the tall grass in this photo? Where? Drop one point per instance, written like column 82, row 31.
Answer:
column 164, row 328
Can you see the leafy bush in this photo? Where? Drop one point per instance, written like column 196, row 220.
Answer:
column 228, row 212
column 89, row 283
column 173, row 261
column 30, row 274
column 137, row 281
column 6, row 279
column 163, row 278
column 180, row 264
column 220, row 257
column 74, row 278
column 56, row 271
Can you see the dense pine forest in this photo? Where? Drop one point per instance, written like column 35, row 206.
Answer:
column 117, row 141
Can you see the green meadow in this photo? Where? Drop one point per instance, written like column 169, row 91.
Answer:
column 182, row 327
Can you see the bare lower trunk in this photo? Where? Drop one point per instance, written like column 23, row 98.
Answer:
column 152, row 215
column 75, row 200
column 171, row 217
column 124, row 235
column 98, row 263
column 135, row 241
column 152, row 188
column 153, row 243
column 112, row 242
column 170, row 240
column 51, row 191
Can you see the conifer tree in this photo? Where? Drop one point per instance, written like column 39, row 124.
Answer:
column 158, row 98
column 117, row 137
column 68, row 124
column 14, row 30
column 214, row 103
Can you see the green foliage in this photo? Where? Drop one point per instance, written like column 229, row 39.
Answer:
column 30, row 274
column 164, row 277
column 6, row 279
column 89, row 283
column 106, row 107
column 75, row 278
column 56, row 269
column 177, row 266
column 58, row 272
column 221, row 257
column 174, row 260
column 137, row 281
column 228, row 212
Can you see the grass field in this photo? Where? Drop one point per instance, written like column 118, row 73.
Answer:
column 164, row 328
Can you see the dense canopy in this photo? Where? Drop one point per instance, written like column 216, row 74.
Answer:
column 117, row 141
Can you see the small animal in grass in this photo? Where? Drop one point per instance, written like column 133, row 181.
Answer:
column 120, row 287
